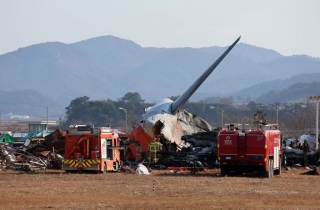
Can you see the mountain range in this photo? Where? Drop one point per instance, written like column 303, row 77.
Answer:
column 108, row 67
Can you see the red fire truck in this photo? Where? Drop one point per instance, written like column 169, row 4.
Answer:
column 243, row 151
column 91, row 149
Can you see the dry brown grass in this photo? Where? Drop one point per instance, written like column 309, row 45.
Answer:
column 53, row 189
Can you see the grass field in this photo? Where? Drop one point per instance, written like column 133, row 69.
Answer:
column 54, row 189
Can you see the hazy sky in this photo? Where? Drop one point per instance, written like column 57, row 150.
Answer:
column 287, row 26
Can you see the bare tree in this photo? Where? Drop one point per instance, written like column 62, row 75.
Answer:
column 301, row 119
column 14, row 127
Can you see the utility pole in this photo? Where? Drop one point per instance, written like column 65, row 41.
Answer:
column 277, row 117
column 126, row 116
column 316, row 99
column 47, row 119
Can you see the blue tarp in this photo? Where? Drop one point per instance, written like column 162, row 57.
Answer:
column 29, row 136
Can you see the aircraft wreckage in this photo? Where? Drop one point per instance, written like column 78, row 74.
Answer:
column 293, row 156
column 174, row 125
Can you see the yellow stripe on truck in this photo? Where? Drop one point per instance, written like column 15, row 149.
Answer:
column 84, row 163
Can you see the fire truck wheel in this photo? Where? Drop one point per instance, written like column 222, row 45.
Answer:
column 116, row 167
column 223, row 171
column 280, row 167
column 104, row 169
column 272, row 169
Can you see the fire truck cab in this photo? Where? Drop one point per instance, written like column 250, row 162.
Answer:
column 245, row 150
column 91, row 149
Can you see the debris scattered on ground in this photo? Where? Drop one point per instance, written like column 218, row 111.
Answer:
column 45, row 154
column 142, row 169
column 20, row 160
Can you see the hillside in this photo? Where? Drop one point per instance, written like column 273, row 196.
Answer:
column 256, row 54
column 29, row 102
column 109, row 67
column 293, row 93
column 279, row 85
column 54, row 69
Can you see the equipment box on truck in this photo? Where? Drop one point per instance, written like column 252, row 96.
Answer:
column 248, row 151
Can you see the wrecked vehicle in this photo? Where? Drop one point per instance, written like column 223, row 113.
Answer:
column 168, row 120
column 293, row 156
column 202, row 153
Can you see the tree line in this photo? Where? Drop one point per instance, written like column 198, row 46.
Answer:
column 293, row 118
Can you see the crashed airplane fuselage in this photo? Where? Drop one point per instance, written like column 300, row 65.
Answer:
column 167, row 119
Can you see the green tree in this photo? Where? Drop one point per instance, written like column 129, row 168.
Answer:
column 133, row 98
column 226, row 101
column 76, row 109
column 102, row 113
column 134, row 105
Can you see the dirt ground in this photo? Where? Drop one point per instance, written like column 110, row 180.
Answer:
column 55, row 189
